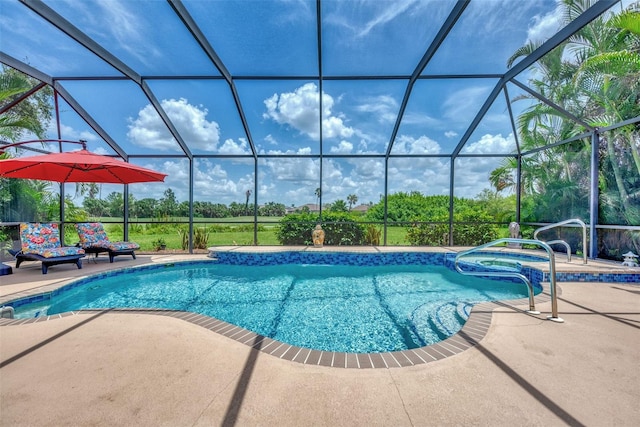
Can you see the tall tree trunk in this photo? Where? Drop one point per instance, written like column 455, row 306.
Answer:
column 611, row 155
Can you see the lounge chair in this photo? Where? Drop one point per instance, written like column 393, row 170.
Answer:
column 41, row 242
column 94, row 240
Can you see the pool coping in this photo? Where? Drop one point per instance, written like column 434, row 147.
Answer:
column 472, row 332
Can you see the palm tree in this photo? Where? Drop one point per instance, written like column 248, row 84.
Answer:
column 89, row 189
column 11, row 123
column 31, row 115
column 318, row 195
column 246, row 204
column 595, row 76
column 22, row 199
column 352, row 199
column 338, row 206
column 610, row 75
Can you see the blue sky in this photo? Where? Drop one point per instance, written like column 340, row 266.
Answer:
column 279, row 38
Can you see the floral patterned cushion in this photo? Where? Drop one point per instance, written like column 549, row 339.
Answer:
column 92, row 235
column 44, row 239
column 123, row 246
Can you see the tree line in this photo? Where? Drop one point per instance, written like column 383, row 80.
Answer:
column 168, row 206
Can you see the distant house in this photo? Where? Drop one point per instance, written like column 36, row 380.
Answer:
column 311, row 206
column 361, row 208
column 314, row 208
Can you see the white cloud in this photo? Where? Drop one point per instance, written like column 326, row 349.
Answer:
column 125, row 27
column 384, row 107
column 491, row 144
column 430, row 176
column 72, row 134
column 388, row 14
column 450, row 134
column 270, row 140
column 298, row 196
column 374, row 16
column 303, row 151
column 177, row 171
column 298, row 109
column 232, row 147
column 298, row 170
column 344, row 147
column 363, row 146
column 334, row 127
column 405, row 144
column 191, row 123
column 101, row 150
column 301, row 110
column 472, row 175
column 464, row 104
column 212, row 182
column 354, row 176
column 369, row 169
column 411, row 118
column 543, row 27
column 148, row 129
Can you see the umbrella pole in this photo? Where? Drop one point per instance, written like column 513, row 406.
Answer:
column 3, row 148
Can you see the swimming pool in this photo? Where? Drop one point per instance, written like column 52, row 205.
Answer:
column 355, row 305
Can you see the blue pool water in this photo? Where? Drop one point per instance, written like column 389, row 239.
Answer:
column 341, row 308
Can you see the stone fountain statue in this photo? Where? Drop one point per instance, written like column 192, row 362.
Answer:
column 514, row 233
column 318, row 236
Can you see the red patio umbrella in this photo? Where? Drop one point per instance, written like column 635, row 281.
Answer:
column 76, row 166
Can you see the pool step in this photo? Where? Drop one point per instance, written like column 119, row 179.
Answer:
column 464, row 311
column 450, row 317
column 431, row 323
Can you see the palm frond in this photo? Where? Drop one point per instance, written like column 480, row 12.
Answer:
column 596, row 70
column 522, row 52
column 12, row 84
column 10, row 125
column 628, row 20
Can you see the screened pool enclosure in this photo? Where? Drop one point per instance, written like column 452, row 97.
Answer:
column 433, row 122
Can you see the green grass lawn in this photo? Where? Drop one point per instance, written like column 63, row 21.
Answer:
column 222, row 232
column 227, row 231
column 267, row 237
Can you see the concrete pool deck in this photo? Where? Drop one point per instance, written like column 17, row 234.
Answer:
column 132, row 368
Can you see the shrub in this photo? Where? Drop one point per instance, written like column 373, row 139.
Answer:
column 372, row 235
column 424, row 234
column 247, row 228
column 200, row 238
column 184, row 242
column 159, row 244
column 613, row 243
column 341, row 228
column 471, row 228
column 474, row 234
column 404, row 207
column 136, row 228
column 295, row 229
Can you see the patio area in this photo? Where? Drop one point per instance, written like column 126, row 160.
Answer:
column 125, row 368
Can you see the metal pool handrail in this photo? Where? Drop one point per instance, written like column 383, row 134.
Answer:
column 552, row 272
column 565, row 222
